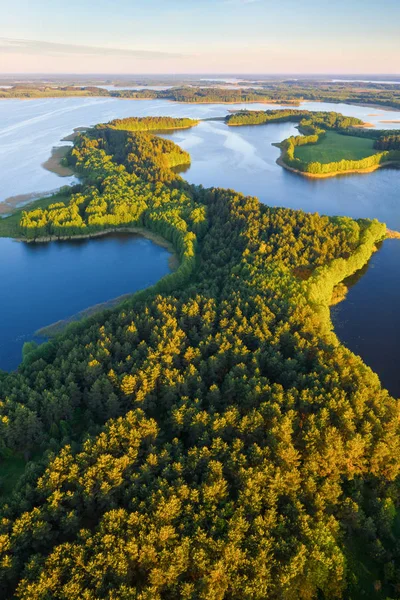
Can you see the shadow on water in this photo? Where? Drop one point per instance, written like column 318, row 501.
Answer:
column 48, row 282
column 368, row 320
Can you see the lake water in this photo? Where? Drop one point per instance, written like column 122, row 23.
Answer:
column 29, row 129
column 241, row 158
column 46, row 282
column 368, row 320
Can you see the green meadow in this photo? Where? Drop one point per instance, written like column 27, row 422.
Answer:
column 334, row 147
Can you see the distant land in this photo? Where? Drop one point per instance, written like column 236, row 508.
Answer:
column 193, row 79
column 384, row 92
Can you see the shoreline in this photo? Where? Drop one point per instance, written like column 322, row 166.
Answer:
column 59, row 326
column 53, row 329
column 390, row 163
column 236, row 102
column 54, row 162
column 385, row 107
column 10, row 205
column 146, row 233
column 71, row 136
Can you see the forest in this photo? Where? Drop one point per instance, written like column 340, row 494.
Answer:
column 289, row 92
column 149, row 124
column 209, row 438
column 388, row 141
column 308, row 120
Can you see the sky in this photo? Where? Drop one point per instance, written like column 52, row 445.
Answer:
column 200, row 36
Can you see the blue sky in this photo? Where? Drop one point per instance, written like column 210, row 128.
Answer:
column 200, row 36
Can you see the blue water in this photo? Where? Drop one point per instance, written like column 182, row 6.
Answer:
column 29, row 129
column 241, row 158
column 368, row 320
column 46, row 282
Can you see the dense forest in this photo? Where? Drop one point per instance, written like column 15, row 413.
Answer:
column 388, row 141
column 283, row 92
column 209, row 438
column 308, row 120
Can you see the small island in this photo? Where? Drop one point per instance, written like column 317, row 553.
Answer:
column 331, row 144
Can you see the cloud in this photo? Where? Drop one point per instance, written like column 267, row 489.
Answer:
column 16, row 46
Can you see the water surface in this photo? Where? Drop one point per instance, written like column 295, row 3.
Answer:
column 368, row 320
column 29, row 129
column 241, row 158
column 46, row 282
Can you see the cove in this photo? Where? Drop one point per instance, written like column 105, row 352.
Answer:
column 240, row 158
column 42, row 283
column 368, row 320
column 243, row 159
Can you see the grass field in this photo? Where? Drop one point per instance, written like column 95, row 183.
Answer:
column 334, row 147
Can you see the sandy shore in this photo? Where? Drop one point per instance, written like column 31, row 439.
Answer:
column 9, row 205
column 54, row 164
column 392, row 235
column 71, row 137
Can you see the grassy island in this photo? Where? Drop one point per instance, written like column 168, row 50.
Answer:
column 209, row 437
column 331, row 145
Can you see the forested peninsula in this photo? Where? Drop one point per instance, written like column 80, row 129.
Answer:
column 209, row 438
column 331, row 144
column 281, row 92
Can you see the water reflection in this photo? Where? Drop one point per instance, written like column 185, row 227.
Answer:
column 368, row 320
column 46, row 282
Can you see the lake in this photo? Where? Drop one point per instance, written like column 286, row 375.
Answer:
column 29, row 129
column 241, row 158
column 44, row 283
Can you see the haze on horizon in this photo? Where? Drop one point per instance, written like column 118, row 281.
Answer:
column 200, row 36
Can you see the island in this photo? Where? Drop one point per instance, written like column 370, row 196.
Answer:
column 209, row 437
column 331, row 144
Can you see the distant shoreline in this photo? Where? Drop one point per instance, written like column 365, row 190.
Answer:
column 383, row 107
